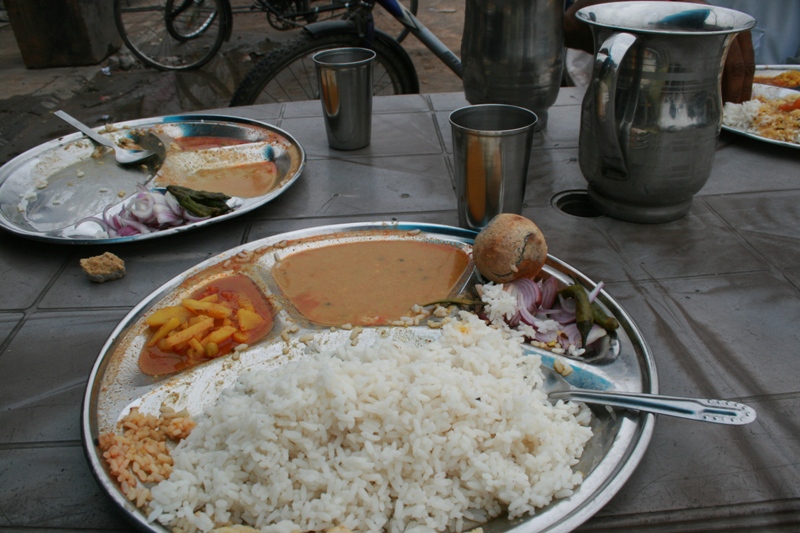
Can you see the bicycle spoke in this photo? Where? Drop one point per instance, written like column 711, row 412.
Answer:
column 171, row 34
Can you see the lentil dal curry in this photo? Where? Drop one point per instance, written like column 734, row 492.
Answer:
column 368, row 283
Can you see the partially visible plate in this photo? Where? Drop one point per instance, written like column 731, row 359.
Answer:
column 770, row 71
column 770, row 92
column 116, row 384
column 47, row 190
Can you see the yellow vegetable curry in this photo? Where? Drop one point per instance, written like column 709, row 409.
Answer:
column 210, row 323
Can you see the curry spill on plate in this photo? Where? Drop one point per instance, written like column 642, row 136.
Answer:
column 389, row 435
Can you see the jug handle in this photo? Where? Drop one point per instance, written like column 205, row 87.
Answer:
column 606, row 66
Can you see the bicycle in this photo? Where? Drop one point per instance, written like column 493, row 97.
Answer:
column 187, row 34
column 288, row 73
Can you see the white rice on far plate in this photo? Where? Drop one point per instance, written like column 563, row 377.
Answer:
column 392, row 437
column 763, row 117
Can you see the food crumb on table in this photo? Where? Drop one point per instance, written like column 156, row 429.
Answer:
column 105, row 267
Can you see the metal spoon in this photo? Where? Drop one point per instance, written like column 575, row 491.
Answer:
column 716, row 411
column 124, row 157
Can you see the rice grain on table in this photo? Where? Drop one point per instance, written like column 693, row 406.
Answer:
column 389, row 436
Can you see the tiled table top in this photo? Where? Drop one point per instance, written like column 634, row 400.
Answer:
column 716, row 294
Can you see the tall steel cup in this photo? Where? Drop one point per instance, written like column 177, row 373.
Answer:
column 512, row 52
column 653, row 110
column 345, row 86
column 491, row 150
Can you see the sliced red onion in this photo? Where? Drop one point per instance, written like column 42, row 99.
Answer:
column 549, row 291
column 594, row 292
column 564, row 311
column 573, row 336
column 597, row 332
column 141, row 207
column 144, row 213
column 547, row 337
column 532, row 295
column 522, row 309
column 538, row 302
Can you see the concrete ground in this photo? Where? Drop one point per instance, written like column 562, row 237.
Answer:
column 105, row 93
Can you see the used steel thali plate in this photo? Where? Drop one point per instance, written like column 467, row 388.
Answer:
column 116, row 385
column 45, row 191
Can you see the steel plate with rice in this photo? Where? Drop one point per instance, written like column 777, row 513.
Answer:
column 773, row 114
column 68, row 191
column 268, row 432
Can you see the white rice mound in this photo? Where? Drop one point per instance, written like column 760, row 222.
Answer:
column 741, row 116
column 388, row 437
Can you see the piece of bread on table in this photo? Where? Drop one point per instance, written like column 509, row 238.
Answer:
column 104, row 267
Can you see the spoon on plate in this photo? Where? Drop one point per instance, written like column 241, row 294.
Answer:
column 715, row 411
column 123, row 156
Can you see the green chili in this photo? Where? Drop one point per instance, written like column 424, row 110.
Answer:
column 608, row 323
column 584, row 317
column 200, row 203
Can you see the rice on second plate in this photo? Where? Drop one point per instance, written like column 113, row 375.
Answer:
column 388, row 436
column 762, row 116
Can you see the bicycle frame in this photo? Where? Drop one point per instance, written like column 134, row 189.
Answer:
column 418, row 29
column 267, row 7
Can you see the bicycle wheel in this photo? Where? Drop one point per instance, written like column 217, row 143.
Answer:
column 187, row 19
column 187, row 40
column 288, row 73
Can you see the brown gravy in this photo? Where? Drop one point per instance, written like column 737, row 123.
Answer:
column 246, row 181
column 368, row 283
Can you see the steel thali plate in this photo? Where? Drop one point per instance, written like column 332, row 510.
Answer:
column 47, row 192
column 116, row 385
column 769, row 92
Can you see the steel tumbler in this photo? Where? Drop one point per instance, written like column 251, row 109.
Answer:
column 345, row 86
column 491, row 150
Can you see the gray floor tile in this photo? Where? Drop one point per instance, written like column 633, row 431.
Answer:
column 420, row 136
column 26, row 267
column 719, row 465
column 768, row 221
column 271, row 228
column 743, row 164
column 8, row 321
column 706, row 340
column 387, row 185
column 611, row 250
column 148, row 265
column 73, row 499
column 50, row 358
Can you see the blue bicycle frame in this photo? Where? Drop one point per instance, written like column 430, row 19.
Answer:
column 417, row 28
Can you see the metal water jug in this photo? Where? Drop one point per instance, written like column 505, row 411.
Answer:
column 512, row 52
column 653, row 110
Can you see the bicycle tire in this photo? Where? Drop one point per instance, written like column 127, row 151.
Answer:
column 144, row 29
column 184, row 23
column 288, row 73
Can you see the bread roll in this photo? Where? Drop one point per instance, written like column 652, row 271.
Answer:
column 508, row 248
